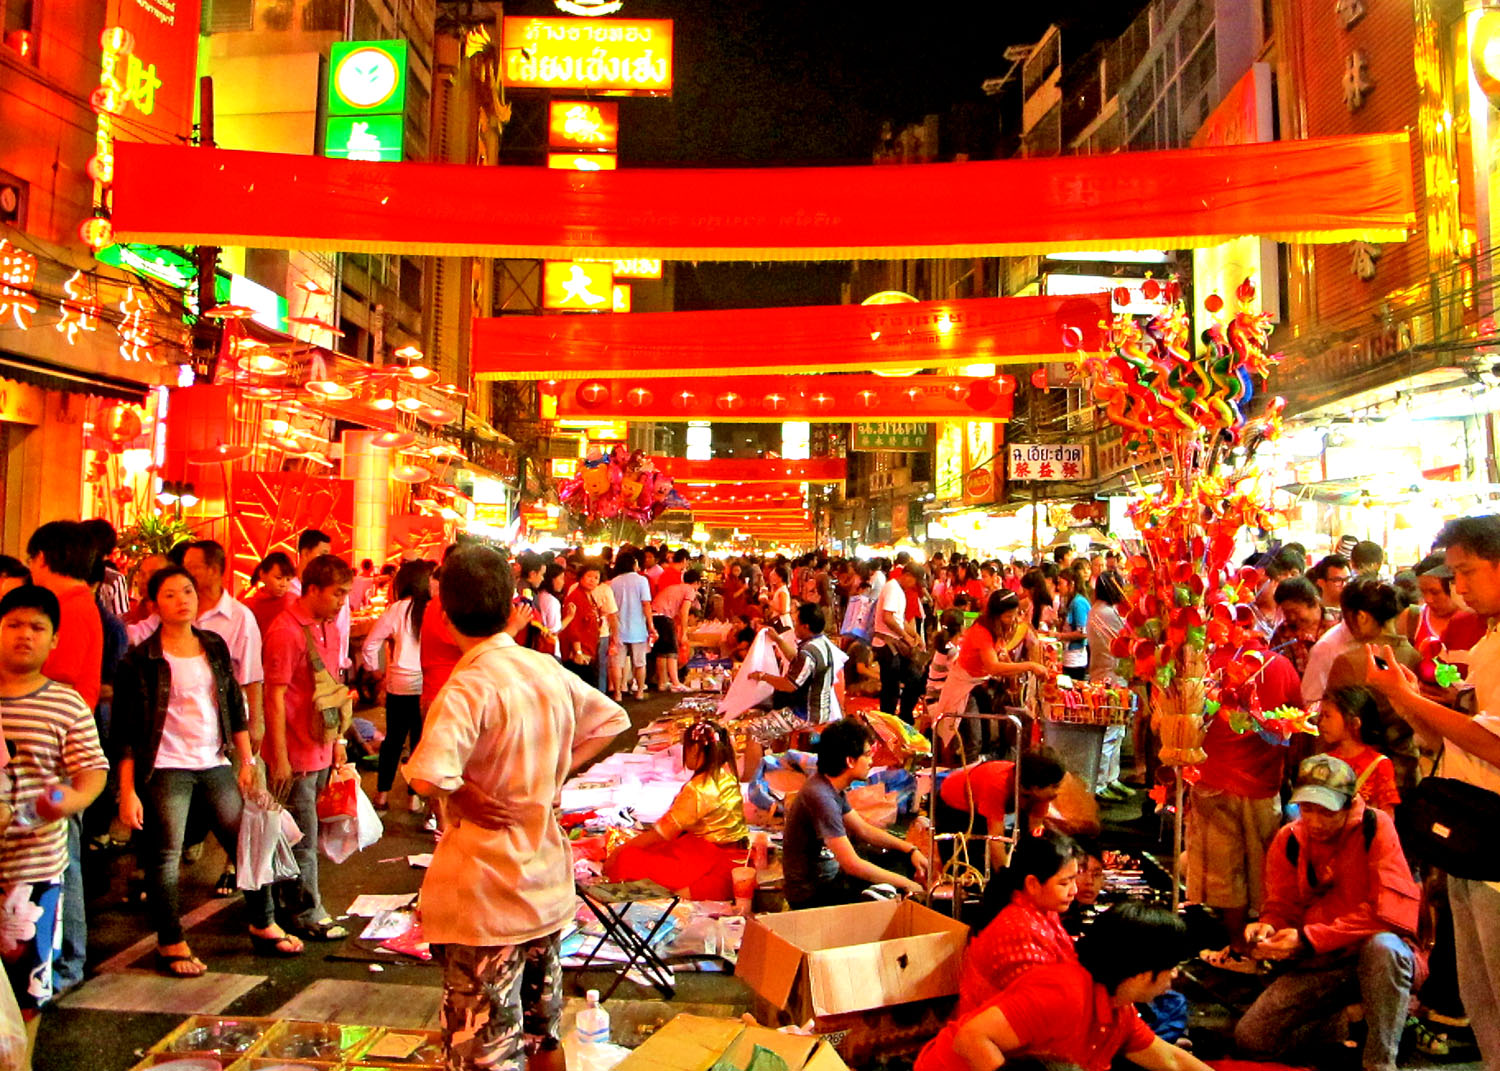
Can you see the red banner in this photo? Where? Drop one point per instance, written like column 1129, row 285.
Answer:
column 815, row 338
column 1337, row 189
column 763, row 399
column 752, row 470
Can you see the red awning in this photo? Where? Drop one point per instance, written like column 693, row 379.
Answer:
column 1317, row 190
column 777, row 398
column 816, row 338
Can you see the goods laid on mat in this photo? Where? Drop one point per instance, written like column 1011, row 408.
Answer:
column 212, row 1043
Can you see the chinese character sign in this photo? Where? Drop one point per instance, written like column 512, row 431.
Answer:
column 18, row 302
column 580, row 285
column 581, row 124
column 895, row 436
column 630, row 56
column 1048, row 461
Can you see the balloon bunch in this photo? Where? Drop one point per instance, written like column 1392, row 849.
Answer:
column 1154, row 385
column 619, row 483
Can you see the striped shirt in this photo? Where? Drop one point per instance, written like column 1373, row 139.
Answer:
column 51, row 737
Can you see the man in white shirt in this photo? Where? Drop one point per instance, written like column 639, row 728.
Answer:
column 1321, row 658
column 499, row 740
column 896, row 640
column 1471, row 753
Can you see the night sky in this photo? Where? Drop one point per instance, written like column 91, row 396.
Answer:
column 789, row 82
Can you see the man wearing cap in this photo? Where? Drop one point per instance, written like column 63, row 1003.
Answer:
column 1341, row 916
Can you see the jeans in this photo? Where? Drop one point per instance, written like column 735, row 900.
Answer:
column 403, row 718
column 302, row 802
column 1302, row 1005
column 1476, row 931
column 899, row 687
column 168, row 796
column 72, row 954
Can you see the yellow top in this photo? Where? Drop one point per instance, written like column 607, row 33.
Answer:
column 709, row 806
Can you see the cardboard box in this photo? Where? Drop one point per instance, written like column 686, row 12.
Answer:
column 831, row 961
column 696, row 1043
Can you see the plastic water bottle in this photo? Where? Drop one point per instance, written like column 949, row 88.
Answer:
column 592, row 1032
column 26, row 815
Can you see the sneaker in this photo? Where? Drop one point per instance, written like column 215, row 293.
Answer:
column 1121, row 788
column 1227, row 959
column 1111, row 794
column 431, row 825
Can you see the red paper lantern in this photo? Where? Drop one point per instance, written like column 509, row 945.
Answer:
column 1150, row 289
column 1121, row 294
column 550, row 387
column 729, row 401
column 96, row 232
column 1039, row 378
column 1005, row 385
column 868, row 398
column 592, row 394
column 1213, row 303
column 684, row 399
column 639, row 396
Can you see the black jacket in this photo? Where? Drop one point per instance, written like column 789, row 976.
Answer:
column 143, row 688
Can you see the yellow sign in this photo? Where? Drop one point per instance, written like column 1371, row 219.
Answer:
column 950, row 459
column 20, row 403
column 626, row 56
column 622, row 297
column 564, row 468
column 583, row 161
column 641, row 268
column 578, row 285
column 584, row 124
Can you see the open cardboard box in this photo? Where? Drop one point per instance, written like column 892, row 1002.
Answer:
column 696, row 1043
column 830, row 961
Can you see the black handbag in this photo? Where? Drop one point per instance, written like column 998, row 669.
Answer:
column 1450, row 824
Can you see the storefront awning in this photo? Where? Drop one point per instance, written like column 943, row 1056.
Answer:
column 53, row 377
column 1316, row 190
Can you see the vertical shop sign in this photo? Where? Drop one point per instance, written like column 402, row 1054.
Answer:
column 366, row 101
column 983, row 466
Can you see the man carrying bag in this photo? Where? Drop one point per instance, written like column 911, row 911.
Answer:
column 1467, row 785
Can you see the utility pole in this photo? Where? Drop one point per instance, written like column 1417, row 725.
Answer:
column 207, row 333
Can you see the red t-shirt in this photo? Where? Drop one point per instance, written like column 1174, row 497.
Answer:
column 1057, row 1012
column 1245, row 764
column 993, row 785
column 583, row 630
column 1021, row 938
column 975, row 639
column 267, row 607
column 78, row 658
column 1379, row 788
column 284, row 652
column 670, row 575
column 440, row 652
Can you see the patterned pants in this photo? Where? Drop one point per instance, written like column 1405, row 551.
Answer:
column 500, row 1002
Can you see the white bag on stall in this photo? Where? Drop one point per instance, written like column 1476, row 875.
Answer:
column 744, row 693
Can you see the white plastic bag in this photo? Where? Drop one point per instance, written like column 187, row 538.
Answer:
column 12, row 1031
column 341, row 837
column 745, row 693
column 264, row 852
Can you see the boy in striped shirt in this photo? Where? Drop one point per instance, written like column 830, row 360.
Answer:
column 53, row 744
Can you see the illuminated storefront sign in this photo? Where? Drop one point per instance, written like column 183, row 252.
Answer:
column 1048, row 461
column 153, row 261
column 376, row 138
column 583, row 124
column 621, row 297
column 626, row 56
column 583, row 161
column 589, row 8
column 366, row 101
column 950, row 460
column 577, row 285
column 644, row 268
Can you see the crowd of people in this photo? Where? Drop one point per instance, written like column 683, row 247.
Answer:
column 148, row 701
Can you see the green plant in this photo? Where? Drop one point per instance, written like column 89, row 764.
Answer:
column 152, row 535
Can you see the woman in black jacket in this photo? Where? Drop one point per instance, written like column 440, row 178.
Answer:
column 179, row 716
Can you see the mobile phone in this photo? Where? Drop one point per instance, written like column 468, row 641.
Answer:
column 1381, row 663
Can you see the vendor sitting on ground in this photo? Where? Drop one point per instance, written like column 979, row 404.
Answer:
column 697, row 844
column 807, row 688
column 820, row 865
column 1340, row 916
column 987, row 790
column 1080, row 1014
column 1037, row 887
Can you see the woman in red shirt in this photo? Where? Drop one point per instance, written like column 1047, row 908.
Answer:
column 1041, row 881
column 993, row 647
column 580, row 639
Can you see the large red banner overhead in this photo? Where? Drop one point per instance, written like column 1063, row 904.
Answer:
column 753, row 470
column 747, row 399
column 817, row 338
column 1317, row 190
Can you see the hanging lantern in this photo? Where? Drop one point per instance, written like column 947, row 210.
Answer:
column 729, row 401
column 96, row 232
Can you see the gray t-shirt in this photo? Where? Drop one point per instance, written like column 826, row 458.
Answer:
column 815, row 816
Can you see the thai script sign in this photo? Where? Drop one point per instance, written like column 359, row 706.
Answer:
column 628, row 56
column 1048, row 461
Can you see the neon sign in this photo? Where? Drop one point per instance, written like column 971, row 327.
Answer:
column 571, row 284
column 580, row 124
column 124, row 81
column 17, row 277
column 589, row 8
column 626, row 56
column 582, row 161
column 80, row 312
column 640, row 268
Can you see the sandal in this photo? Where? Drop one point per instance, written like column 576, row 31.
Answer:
column 323, row 930
column 275, row 946
column 226, row 885
column 1427, row 1041
column 167, row 964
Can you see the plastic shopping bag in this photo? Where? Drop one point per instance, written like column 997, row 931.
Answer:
column 368, row 824
column 745, row 693
column 337, row 798
column 263, row 844
column 12, row 1031
column 341, row 836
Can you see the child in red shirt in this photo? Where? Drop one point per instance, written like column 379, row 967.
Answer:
column 1341, row 722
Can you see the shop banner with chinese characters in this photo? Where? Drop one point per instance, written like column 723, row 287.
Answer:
column 772, row 399
column 158, row 71
column 900, row 437
column 1048, row 461
column 815, row 338
column 1298, row 190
